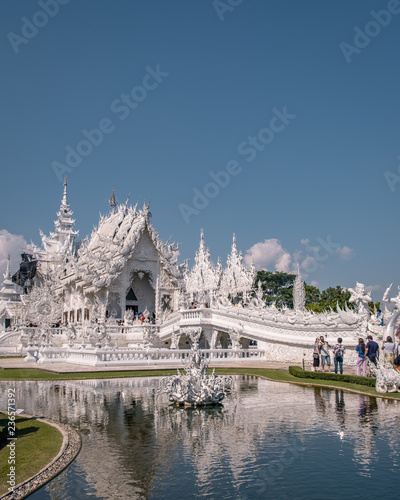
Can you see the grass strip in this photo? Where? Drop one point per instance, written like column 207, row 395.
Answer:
column 285, row 376
column 36, row 445
column 296, row 371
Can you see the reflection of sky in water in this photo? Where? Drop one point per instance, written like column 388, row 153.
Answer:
column 269, row 440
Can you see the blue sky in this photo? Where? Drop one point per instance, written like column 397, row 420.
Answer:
column 304, row 127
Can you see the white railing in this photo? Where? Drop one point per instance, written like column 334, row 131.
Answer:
column 137, row 357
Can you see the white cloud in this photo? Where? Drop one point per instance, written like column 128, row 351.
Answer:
column 373, row 288
column 309, row 264
column 269, row 254
column 13, row 245
column 344, row 252
column 314, row 283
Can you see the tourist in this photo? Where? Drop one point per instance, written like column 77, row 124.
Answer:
column 325, row 357
column 338, row 352
column 379, row 316
column 316, row 355
column 361, row 361
column 372, row 350
column 388, row 349
column 396, row 361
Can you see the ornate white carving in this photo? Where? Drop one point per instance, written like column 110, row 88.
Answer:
column 196, row 388
column 387, row 377
column 360, row 298
column 235, row 333
column 236, row 278
column 192, row 333
column 204, row 277
column 42, row 306
column 299, row 293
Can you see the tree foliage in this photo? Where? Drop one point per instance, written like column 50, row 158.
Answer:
column 278, row 289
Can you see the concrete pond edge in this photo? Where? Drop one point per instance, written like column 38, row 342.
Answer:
column 70, row 448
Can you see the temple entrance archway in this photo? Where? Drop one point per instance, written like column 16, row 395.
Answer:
column 131, row 302
column 141, row 295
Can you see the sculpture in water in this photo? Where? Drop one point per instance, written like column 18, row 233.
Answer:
column 195, row 388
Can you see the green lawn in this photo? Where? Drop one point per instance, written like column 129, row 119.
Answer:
column 36, row 445
column 285, row 376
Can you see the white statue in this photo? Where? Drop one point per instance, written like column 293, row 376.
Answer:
column 387, row 377
column 360, row 298
column 195, row 388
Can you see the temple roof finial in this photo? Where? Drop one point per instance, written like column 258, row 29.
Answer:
column 65, row 198
column 113, row 200
column 7, row 274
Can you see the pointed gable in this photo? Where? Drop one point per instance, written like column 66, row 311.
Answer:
column 204, row 277
column 236, row 278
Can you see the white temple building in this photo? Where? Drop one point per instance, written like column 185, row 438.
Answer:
column 10, row 301
column 122, row 288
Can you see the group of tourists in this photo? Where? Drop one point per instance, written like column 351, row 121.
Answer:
column 366, row 352
column 321, row 355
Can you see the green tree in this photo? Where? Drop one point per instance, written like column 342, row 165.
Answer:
column 372, row 306
column 313, row 295
column 329, row 299
column 277, row 287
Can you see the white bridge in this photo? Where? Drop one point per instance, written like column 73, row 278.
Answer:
column 225, row 333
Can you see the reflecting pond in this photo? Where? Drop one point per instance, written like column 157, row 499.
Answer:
column 268, row 440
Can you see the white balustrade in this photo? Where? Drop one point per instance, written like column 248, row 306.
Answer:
column 141, row 357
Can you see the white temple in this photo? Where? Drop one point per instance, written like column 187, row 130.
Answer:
column 122, row 288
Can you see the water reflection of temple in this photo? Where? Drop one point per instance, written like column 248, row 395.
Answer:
column 129, row 433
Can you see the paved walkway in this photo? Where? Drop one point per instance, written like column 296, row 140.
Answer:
column 7, row 363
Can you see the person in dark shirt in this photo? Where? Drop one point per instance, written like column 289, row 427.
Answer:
column 372, row 350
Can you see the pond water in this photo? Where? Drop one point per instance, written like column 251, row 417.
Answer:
column 269, row 440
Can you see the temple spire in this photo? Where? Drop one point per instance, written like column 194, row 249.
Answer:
column 7, row 274
column 64, row 233
column 299, row 293
column 65, row 197
column 113, row 201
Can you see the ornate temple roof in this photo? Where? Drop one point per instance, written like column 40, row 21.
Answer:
column 60, row 242
column 236, row 278
column 204, row 277
column 102, row 256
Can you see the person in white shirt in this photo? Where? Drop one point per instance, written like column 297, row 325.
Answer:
column 388, row 349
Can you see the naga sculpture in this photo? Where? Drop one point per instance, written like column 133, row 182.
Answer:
column 195, row 388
